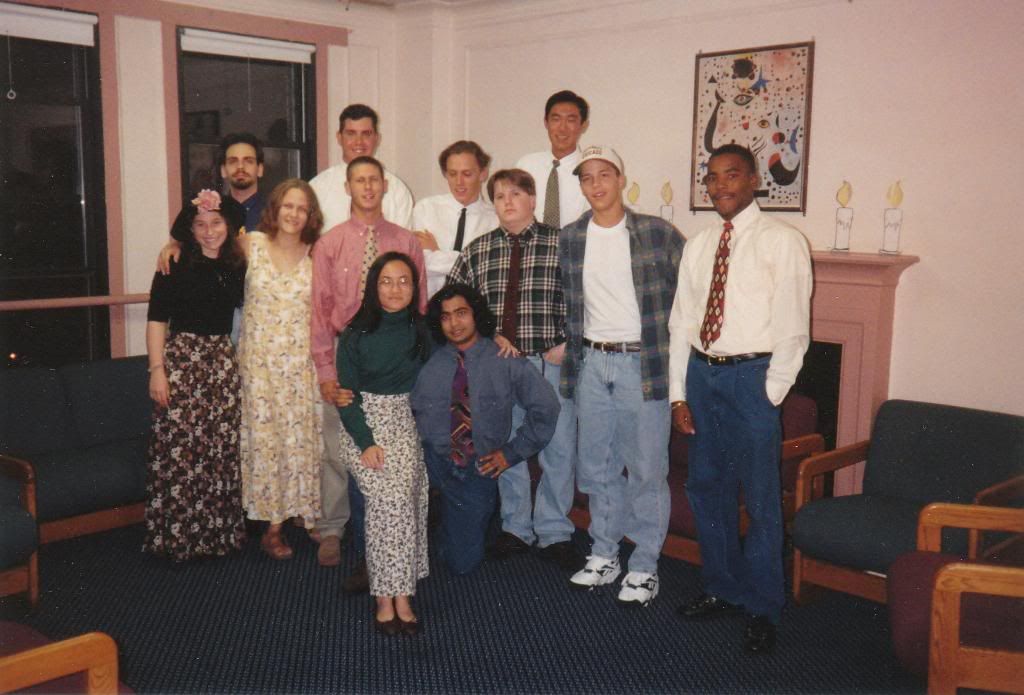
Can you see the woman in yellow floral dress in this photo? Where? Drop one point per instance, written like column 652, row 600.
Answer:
column 281, row 442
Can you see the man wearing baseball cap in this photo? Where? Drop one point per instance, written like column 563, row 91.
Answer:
column 619, row 273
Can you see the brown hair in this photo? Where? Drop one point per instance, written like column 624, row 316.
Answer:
column 315, row 222
column 515, row 177
column 463, row 147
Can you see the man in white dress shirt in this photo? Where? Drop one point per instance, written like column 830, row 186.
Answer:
column 740, row 326
column 566, row 117
column 446, row 223
column 358, row 137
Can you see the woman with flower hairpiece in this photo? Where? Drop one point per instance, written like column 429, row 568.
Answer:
column 194, row 504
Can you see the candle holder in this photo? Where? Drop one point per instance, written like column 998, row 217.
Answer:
column 892, row 224
column 844, row 223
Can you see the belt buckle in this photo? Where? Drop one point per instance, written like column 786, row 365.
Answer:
column 716, row 360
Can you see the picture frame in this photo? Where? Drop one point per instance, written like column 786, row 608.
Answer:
column 759, row 98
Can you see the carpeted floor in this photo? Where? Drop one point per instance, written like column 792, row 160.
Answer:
column 248, row 624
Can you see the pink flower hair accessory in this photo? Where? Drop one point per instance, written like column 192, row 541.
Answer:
column 207, row 200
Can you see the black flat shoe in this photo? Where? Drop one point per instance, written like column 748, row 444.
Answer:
column 759, row 637
column 388, row 627
column 410, row 628
column 705, row 607
column 358, row 582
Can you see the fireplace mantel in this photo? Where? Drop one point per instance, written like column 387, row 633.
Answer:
column 853, row 305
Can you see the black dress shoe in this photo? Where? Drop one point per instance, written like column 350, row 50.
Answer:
column 507, row 544
column 410, row 627
column 759, row 637
column 563, row 554
column 359, row 581
column 388, row 627
column 706, row 606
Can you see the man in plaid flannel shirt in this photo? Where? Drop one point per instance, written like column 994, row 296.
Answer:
column 619, row 272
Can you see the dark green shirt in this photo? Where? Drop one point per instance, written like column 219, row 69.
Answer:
column 377, row 362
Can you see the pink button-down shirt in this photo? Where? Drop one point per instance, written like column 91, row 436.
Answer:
column 337, row 265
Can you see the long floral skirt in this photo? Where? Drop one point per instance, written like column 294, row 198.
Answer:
column 396, row 496
column 194, row 501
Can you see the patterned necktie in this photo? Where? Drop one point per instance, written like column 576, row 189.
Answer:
column 369, row 256
column 551, row 214
column 461, row 419
column 714, row 315
column 460, row 235
column 510, row 309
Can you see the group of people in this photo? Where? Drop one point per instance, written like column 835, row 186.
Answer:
column 428, row 351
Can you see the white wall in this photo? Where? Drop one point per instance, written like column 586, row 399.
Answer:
column 924, row 91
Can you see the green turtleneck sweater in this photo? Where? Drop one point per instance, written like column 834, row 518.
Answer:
column 377, row 362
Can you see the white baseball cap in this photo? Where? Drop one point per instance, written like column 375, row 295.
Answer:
column 602, row 152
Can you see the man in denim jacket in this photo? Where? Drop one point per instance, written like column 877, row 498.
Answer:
column 459, row 318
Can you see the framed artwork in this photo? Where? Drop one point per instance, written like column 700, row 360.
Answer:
column 759, row 98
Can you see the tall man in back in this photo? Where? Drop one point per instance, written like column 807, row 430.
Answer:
column 358, row 136
column 559, row 199
column 619, row 270
column 447, row 223
column 340, row 260
column 740, row 327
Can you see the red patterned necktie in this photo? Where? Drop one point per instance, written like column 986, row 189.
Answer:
column 510, row 309
column 714, row 315
column 461, row 419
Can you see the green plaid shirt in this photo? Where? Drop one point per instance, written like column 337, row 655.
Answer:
column 655, row 249
column 484, row 265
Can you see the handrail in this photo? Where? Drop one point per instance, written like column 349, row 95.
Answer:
column 73, row 302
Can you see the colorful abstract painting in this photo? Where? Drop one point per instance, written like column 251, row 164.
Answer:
column 759, row 98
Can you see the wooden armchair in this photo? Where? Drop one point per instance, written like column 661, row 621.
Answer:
column 94, row 653
column 918, row 453
column 19, row 554
column 962, row 623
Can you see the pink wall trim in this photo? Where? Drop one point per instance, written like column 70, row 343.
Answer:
column 173, row 15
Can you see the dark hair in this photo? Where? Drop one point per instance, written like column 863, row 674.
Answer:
column 367, row 319
column 516, row 177
column 357, row 112
column 236, row 138
column 315, row 222
column 486, row 321
column 234, row 215
column 365, row 159
column 568, row 97
column 740, row 151
column 463, row 147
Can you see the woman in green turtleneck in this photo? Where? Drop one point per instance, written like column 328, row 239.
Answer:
column 379, row 357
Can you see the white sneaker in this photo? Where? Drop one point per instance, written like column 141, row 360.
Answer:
column 639, row 588
column 597, row 572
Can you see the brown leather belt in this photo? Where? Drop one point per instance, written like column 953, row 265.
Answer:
column 728, row 360
column 612, row 347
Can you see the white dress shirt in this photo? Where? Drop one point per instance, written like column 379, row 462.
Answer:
column 767, row 299
column 571, row 203
column 336, row 204
column 439, row 215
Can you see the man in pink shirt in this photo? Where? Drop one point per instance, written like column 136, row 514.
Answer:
column 338, row 261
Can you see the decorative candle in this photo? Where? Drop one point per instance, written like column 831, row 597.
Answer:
column 666, row 196
column 844, row 217
column 892, row 220
column 633, row 195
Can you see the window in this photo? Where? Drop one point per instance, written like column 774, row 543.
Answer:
column 231, row 83
column 52, row 221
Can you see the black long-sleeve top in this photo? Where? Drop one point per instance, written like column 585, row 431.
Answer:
column 198, row 296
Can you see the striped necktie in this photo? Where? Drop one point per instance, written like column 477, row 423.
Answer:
column 461, row 419
column 714, row 315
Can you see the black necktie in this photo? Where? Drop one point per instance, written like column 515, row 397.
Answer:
column 459, row 235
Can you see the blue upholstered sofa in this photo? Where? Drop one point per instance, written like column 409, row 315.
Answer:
column 84, row 429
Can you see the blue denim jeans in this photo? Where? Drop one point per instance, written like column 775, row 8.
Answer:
column 468, row 500
column 549, row 522
column 737, row 445
column 622, row 433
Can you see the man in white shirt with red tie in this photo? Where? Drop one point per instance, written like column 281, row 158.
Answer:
column 560, row 200
column 445, row 224
column 740, row 326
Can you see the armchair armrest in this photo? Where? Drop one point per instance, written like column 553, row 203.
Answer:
column 23, row 471
column 1002, row 493
column 802, row 447
column 94, row 652
column 939, row 515
column 825, row 463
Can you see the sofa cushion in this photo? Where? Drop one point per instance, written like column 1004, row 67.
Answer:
column 835, row 530
column 939, row 453
column 69, row 483
column 109, row 400
column 34, row 415
column 20, row 536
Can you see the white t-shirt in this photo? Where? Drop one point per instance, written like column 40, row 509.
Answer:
column 336, row 204
column 610, row 310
